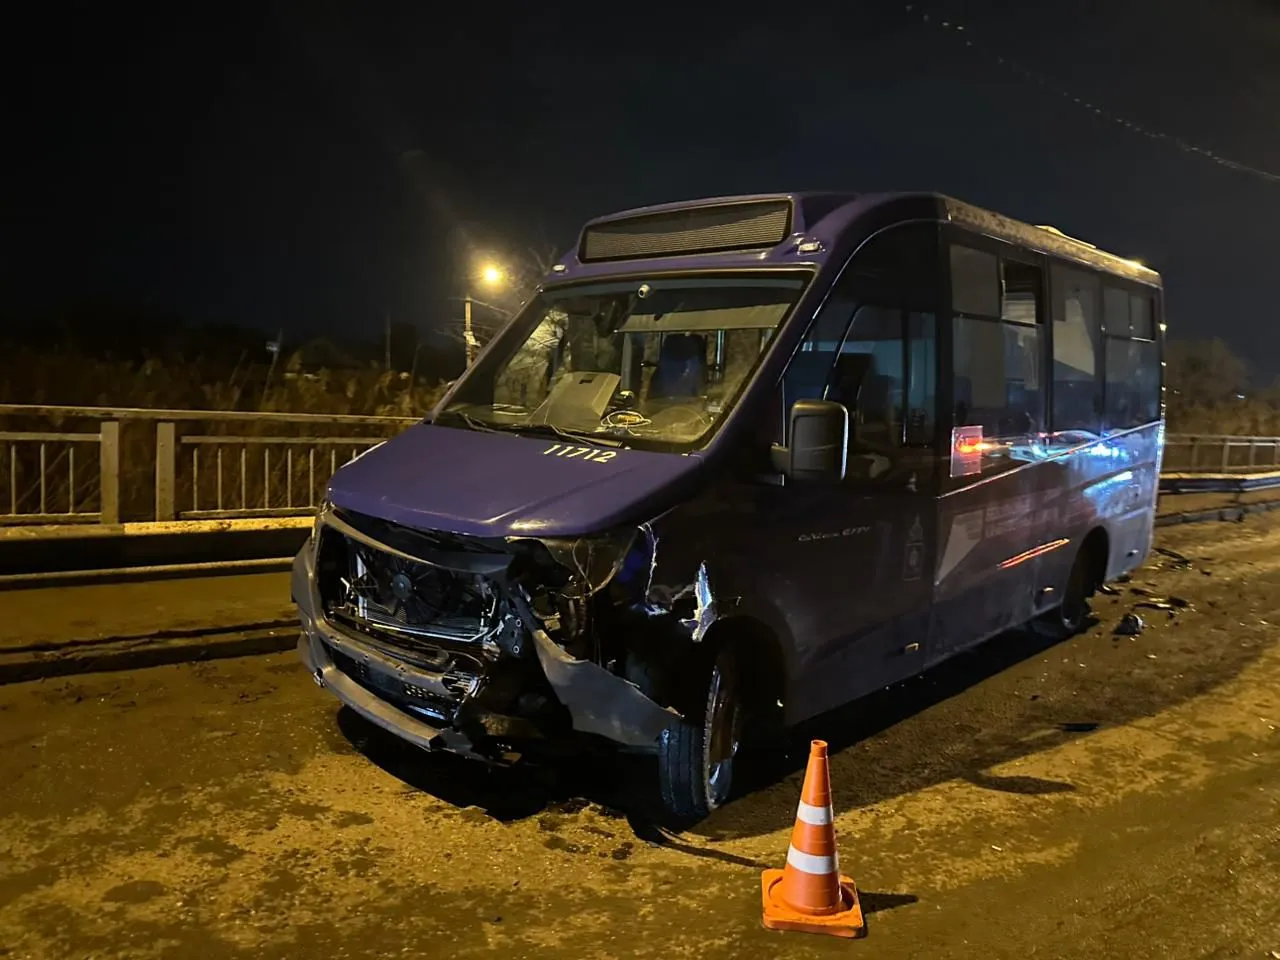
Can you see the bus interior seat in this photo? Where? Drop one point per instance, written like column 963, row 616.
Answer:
column 858, row 384
column 851, row 369
column 876, row 422
column 681, row 370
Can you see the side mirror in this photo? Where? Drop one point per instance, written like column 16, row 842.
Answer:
column 819, row 446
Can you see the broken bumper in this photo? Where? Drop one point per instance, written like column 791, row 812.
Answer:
column 598, row 702
column 315, row 648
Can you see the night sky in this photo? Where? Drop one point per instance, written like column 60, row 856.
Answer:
column 315, row 166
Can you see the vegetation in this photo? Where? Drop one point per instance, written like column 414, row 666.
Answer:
column 1210, row 389
column 227, row 369
column 57, row 477
column 1210, row 392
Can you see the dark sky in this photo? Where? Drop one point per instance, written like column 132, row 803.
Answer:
column 316, row 165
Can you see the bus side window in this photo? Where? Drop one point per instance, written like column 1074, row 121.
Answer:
column 1077, row 351
column 807, row 373
column 886, row 372
column 1132, row 359
column 997, row 352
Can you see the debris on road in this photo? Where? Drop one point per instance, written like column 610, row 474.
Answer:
column 1130, row 625
column 1159, row 602
column 1170, row 604
column 1179, row 562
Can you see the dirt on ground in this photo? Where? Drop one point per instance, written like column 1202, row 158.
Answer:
column 1114, row 795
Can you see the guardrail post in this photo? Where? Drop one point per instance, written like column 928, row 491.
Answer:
column 1226, row 455
column 166, row 460
column 109, row 472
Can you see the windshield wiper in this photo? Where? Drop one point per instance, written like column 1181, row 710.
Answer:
column 537, row 429
column 474, row 423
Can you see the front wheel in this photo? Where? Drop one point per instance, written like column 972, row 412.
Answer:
column 1069, row 617
column 698, row 756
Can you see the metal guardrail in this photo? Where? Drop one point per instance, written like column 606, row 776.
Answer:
column 42, row 474
column 1195, row 453
column 256, row 470
column 47, row 476
column 299, row 497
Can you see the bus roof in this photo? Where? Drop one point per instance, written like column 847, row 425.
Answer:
column 776, row 229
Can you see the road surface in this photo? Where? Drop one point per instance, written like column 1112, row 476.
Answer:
column 1105, row 797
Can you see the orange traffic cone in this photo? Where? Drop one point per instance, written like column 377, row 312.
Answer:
column 809, row 894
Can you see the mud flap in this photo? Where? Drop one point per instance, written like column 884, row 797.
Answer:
column 598, row 702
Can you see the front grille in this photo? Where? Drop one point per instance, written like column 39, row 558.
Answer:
column 419, row 608
column 425, row 615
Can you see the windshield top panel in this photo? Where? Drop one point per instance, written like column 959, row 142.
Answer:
column 643, row 363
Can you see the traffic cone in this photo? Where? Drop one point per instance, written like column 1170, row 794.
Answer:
column 809, row 894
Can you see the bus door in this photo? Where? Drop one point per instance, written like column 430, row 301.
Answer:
column 859, row 554
column 998, row 512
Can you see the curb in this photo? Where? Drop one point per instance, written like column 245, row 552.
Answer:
column 1231, row 514
column 42, row 661
column 167, row 571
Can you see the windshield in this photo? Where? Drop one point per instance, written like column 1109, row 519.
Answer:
column 653, row 362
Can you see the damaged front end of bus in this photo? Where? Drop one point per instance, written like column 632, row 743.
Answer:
column 488, row 646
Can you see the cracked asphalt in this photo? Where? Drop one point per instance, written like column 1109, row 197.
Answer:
column 1109, row 796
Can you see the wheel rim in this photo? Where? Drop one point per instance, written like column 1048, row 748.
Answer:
column 722, row 735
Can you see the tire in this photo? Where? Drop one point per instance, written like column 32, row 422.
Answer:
column 698, row 757
column 1069, row 617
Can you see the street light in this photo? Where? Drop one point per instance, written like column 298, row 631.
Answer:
column 491, row 276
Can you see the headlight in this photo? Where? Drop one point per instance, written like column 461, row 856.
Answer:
column 591, row 561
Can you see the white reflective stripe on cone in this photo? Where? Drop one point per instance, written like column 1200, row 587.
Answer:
column 819, row 866
column 814, row 816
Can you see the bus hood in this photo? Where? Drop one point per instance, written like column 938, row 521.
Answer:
column 503, row 485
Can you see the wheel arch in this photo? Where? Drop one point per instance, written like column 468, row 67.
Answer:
column 762, row 658
column 1096, row 548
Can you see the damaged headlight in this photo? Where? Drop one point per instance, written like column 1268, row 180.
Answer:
column 590, row 562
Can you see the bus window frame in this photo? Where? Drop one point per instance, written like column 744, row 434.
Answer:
column 1155, row 295
column 1003, row 250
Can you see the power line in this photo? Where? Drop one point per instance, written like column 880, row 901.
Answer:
column 962, row 32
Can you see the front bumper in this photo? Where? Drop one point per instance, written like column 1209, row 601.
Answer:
column 319, row 638
column 598, row 702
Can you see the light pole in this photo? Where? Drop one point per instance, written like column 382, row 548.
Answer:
column 492, row 277
column 468, row 337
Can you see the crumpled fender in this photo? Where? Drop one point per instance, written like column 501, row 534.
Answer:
column 599, row 702
column 693, row 597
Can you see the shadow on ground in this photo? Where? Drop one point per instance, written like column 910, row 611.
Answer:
column 954, row 722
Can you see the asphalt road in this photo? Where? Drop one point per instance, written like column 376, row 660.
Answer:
column 1105, row 797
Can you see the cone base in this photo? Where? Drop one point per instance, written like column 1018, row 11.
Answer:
column 845, row 922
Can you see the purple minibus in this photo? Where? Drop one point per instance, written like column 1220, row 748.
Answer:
column 737, row 462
